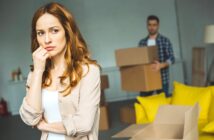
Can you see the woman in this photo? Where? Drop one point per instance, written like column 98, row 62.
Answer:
column 63, row 90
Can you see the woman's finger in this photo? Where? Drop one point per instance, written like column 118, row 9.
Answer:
column 38, row 49
column 43, row 51
column 46, row 55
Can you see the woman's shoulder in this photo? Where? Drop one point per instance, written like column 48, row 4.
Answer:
column 90, row 69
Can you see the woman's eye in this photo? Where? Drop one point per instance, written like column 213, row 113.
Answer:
column 40, row 33
column 54, row 31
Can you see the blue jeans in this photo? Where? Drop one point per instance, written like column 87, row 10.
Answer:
column 165, row 89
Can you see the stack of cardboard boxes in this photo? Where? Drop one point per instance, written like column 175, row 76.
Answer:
column 104, row 116
column 136, row 69
column 172, row 122
column 137, row 74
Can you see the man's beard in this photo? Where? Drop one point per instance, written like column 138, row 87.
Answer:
column 153, row 33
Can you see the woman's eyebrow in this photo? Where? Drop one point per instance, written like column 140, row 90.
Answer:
column 39, row 29
column 53, row 27
column 48, row 28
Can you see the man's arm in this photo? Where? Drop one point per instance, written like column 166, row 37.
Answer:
column 169, row 52
column 170, row 57
column 142, row 42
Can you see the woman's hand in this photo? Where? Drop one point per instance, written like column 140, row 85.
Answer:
column 40, row 56
column 42, row 126
column 56, row 127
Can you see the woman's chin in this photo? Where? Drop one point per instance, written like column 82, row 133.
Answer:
column 51, row 54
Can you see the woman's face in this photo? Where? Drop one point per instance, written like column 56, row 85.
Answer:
column 51, row 34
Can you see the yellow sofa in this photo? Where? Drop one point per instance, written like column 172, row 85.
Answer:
column 147, row 107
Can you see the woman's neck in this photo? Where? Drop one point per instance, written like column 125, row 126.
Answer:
column 58, row 64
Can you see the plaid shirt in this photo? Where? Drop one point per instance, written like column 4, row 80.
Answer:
column 165, row 54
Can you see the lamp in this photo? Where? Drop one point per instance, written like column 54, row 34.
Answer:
column 209, row 39
column 209, row 34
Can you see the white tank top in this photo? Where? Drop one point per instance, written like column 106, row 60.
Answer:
column 51, row 111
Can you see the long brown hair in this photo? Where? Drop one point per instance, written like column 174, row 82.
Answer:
column 76, row 53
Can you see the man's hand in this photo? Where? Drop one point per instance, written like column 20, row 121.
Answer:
column 157, row 66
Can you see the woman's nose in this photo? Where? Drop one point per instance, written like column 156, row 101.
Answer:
column 47, row 39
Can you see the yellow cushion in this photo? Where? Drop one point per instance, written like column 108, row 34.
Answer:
column 140, row 114
column 206, row 136
column 188, row 95
column 209, row 128
column 211, row 110
column 152, row 103
column 201, row 125
column 169, row 99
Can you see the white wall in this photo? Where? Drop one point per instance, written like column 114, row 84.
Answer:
column 106, row 25
column 193, row 16
column 15, row 39
column 109, row 25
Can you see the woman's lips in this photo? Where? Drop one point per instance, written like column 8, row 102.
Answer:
column 49, row 48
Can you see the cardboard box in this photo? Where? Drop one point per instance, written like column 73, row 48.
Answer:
column 104, row 85
column 104, row 82
column 104, row 118
column 136, row 56
column 140, row 78
column 102, row 98
column 127, row 114
column 171, row 123
column 198, row 66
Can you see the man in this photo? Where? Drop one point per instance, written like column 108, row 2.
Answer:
column 166, row 57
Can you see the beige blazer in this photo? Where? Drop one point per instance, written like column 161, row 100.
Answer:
column 79, row 110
